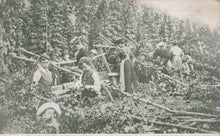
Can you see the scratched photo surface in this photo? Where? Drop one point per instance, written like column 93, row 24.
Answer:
column 110, row 67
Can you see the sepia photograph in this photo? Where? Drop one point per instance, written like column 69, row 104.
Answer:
column 110, row 67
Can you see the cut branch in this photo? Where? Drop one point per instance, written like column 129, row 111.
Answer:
column 25, row 59
column 167, row 109
column 204, row 120
column 4, row 80
column 172, row 125
column 95, row 57
column 181, row 127
column 28, row 52
column 66, row 70
column 58, row 67
column 177, row 81
column 109, row 94
column 65, row 62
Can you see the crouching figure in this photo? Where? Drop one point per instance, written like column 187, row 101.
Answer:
column 90, row 80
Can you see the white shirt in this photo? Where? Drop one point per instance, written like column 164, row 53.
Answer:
column 176, row 51
column 38, row 74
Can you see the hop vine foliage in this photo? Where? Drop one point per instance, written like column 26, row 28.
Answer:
column 54, row 26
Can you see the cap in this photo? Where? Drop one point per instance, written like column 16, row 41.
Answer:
column 94, row 51
column 160, row 44
column 118, row 41
column 44, row 56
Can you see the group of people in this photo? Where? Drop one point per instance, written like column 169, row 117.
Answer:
column 173, row 57
column 90, row 83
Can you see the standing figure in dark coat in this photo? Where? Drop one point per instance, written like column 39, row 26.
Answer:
column 128, row 82
column 140, row 69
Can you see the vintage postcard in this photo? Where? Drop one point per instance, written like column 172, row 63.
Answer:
column 110, row 67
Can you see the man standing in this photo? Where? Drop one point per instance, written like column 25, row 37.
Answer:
column 43, row 77
column 128, row 81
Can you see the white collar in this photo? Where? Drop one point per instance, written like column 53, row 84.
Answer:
column 41, row 68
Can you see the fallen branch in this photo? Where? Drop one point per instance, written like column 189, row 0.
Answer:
column 203, row 120
column 4, row 80
column 177, row 81
column 65, row 62
column 181, row 127
column 129, row 40
column 52, row 63
column 109, row 94
column 95, row 57
column 25, row 59
column 28, row 52
column 172, row 125
column 165, row 108
column 66, row 70
column 105, row 46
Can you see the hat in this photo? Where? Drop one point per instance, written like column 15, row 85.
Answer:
column 44, row 56
column 143, row 54
column 160, row 44
column 94, row 51
column 118, row 41
column 85, row 60
column 174, row 42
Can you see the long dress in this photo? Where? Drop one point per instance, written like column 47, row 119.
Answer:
column 177, row 60
column 128, row 82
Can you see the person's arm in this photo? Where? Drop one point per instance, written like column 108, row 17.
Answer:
column 97, row 84
column 36, row 77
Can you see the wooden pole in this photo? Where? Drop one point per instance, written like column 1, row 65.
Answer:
column 167, row 109
column 4, row 80
column 24, row 58
column 107, row 66
column 28, row 52
column 186, row 85
column 54, row 65
column 66, row 70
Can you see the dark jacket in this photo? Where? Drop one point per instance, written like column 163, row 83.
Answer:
column 130, row 78
column 82, row 53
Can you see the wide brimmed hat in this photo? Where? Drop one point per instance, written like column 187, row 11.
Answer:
column 48, row 105
column 143, row 54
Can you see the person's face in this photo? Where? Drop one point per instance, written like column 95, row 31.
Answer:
column 45, row 63
column 142, row 57
column 85, row 67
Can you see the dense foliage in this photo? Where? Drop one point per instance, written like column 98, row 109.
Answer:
column 55, row 26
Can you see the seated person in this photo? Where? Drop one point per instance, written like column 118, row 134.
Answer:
column 90, row 79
